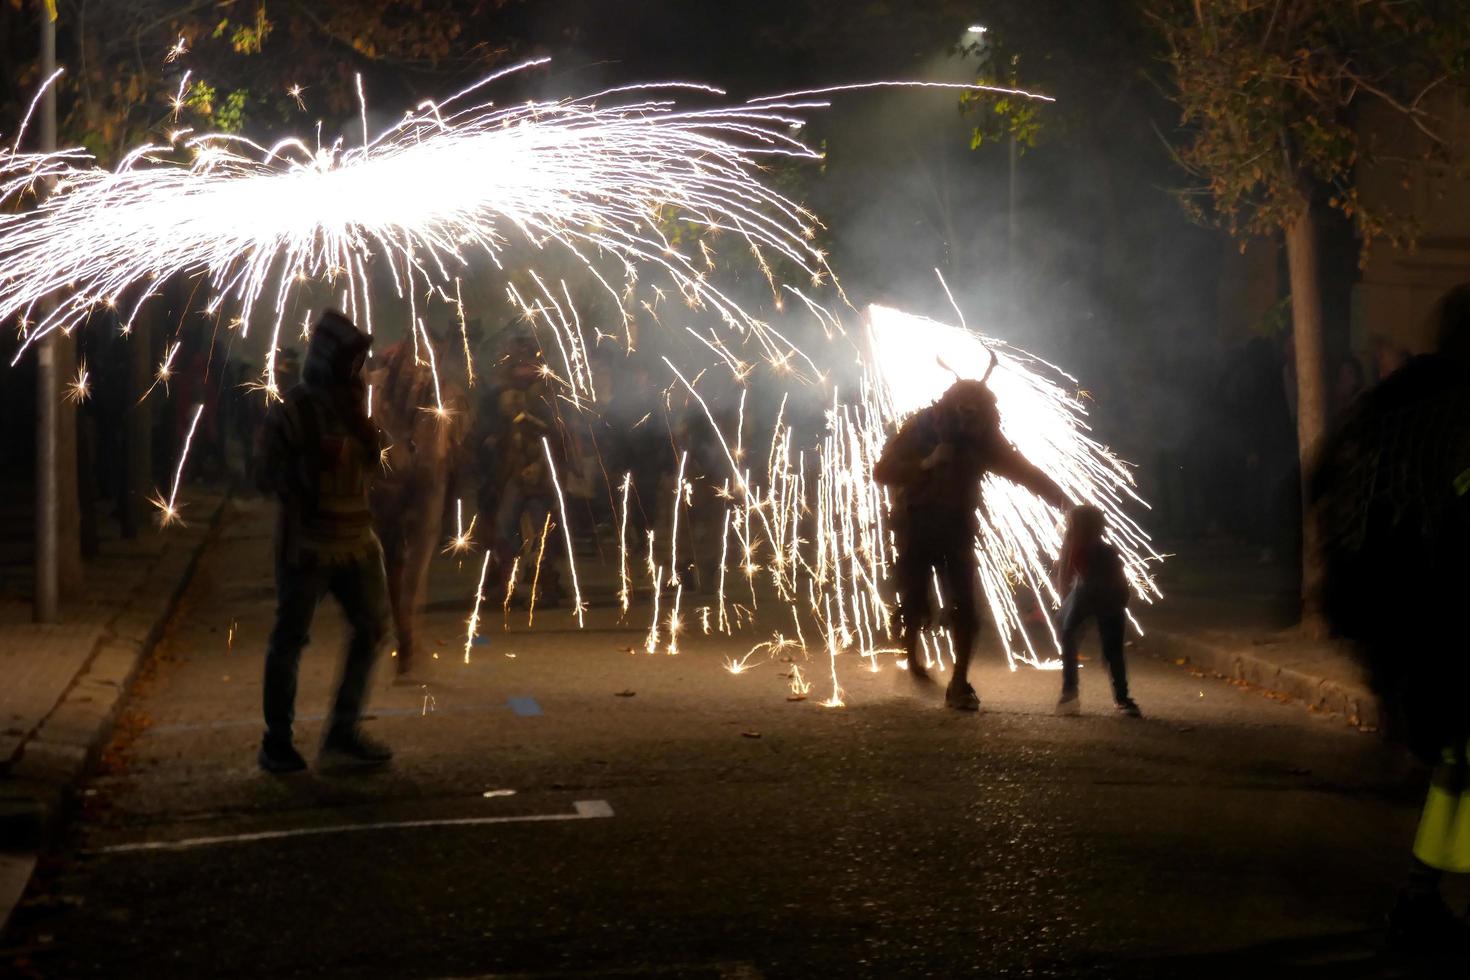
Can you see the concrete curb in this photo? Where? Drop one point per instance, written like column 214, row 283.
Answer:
column 69, row 740
column 1235, row 659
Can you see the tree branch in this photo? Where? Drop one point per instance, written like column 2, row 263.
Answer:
column 1410, row 112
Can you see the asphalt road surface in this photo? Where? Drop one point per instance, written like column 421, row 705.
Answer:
column 562, row 807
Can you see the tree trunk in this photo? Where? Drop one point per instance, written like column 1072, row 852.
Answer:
column 1311, row 383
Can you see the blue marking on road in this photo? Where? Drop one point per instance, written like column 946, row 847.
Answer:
column 525, row 707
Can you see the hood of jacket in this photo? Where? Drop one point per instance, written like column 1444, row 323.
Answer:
column 332, row 352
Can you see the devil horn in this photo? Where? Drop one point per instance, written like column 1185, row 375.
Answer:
column 994, row 360
column 945, row 364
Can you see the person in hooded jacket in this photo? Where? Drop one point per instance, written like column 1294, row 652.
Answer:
column 1390, row 499
column 318, row 450
column 933, row 467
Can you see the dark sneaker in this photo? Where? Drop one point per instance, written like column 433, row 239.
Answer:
column 962, row 697
column 350, row 747
column 279, row 756
column 1070, row 703
column 1129, row 707
column 1425, row 925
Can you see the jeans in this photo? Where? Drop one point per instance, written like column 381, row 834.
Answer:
column 361, row 589
column 1081, row 604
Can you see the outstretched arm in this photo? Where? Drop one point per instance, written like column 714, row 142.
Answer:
column 1009, row 463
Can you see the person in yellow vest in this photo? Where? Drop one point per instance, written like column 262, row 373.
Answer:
column 319, row 450
column 1391, row 501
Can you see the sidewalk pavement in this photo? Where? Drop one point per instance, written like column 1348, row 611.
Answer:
column 64, row 682
column 1226, row 613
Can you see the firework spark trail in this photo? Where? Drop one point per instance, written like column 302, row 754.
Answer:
column 536, row 575
column 589, row 175
column 80, row 387
column 651, row 643
column 168, row 512
column 462, row 541
column 474, row 623
column 624, row 592
column 464, row 334
column 510, row 590
column 566, row 528
column 165, row 367
column 772, row 648
column 674, row 576
column 724, row 618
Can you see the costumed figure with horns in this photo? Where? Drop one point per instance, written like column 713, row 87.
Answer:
column 933, row 467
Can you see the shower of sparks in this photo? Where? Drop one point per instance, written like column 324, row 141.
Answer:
column 79, row 387
column 168, row 511
column 632, row 190
column 474, row 622
column 180, row 48
column 1019, row 535
column 598, row 177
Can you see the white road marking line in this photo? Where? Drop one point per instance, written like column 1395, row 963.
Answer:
column 724, row 971
column 584, row 810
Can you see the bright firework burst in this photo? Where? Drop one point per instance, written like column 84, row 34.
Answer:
column 602, row 178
